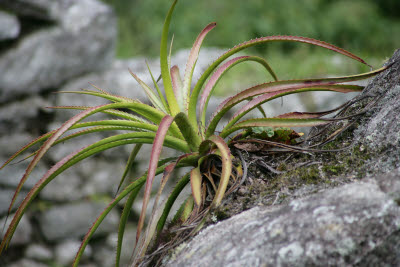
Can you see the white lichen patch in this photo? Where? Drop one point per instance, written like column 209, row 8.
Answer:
column 291, row 253
column 346, row 246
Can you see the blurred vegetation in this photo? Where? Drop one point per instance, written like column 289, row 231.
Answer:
column 370, row 27
column 367, row 28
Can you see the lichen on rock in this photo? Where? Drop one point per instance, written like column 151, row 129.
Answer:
column 340, row 208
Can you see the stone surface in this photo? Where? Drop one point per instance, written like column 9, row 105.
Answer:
column 23, row 234
column 127, row 244
column 12, row 174
column 352, row 225
column 65, row 252
column 23, row 116
column 38, row 252
column 117, row 79
column 379, row 130
column 335, row 227
column 81, row 40
column 88, row 178
column 41, row 9
column 104, row 256
column 74, row 220
column 27, row 263
column 9, row 26
column 5, row 200
column 64, row 188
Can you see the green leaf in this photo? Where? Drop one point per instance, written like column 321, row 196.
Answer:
column 272, row 122
column 214, row 79
column 122, row 224
column 273, row 94
column 108, row 96
column 177, row 86
column 171, row 200
column 192, row 59
column 129, row 164
column 262, row 40
column 226, row 169
column 188, row 131
column 165, row 74
column 114, row 112
column 154, row 99
column 133, row 188
column 156, row 212
column 160, row 95
column 184, row 211
column 58, row 168
column 154, row 157
column 195, row 182
column 281, row 88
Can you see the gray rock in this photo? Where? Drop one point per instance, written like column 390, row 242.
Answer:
column 23, row 234
column 104, row 256
column 24, row 115
column 12, row 174
column 5, row 200
column 51, row 10
column 102, row 176
column 41, row 9
column 38, row 252
column 93, row 177
column 88, row 265
column 127, row 245
column 117, row 79
column 351, row 225
column 27, row 263
column 65, row 187
column 58, row 152
column 335, row 227
column 10, row 143
column 65, row 252
column 74, row 220
column 9, row 26
column 85, row 33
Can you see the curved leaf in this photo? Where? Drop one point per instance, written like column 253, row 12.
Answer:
column 190, row 134
column 171, row 200
column 61, row 131
column 121, row 228
column 133, row 188
column 129, row 164
column 173, row 105
column 108, row 96
column 114, row 112
column 273, row 122
column 212, row 82
column 195, row 182
column 27, row 146
column 155, row 155
column 226, row 169
column 160, row 95
column 112, row 125
column 154, row 99
column 258, row 101
column 279, row 86
column 262, row 40
column 157, row 211
column 191, row 63
column 177, row 86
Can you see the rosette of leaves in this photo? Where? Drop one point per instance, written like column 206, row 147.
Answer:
column 177, row 121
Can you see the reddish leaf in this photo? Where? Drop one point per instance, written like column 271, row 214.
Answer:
column 155, row 155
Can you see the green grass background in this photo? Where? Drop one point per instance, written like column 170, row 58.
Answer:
column 368, row 28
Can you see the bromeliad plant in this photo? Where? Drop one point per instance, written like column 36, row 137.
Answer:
column 178, row 122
